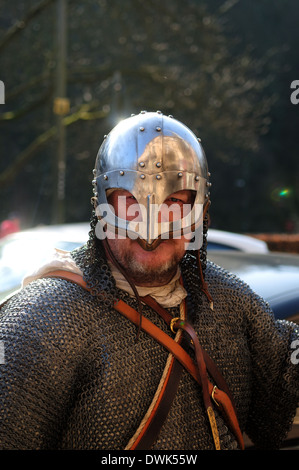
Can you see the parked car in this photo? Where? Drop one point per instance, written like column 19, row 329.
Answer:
column 22, row 251
column 222, row 240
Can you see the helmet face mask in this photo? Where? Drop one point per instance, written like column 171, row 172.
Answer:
column 151, row 156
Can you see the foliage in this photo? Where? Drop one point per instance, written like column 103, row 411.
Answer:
column 222, row 67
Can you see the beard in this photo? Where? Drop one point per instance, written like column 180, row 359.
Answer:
column 145, row 275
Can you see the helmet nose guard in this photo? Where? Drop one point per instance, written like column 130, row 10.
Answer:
column 151, row 156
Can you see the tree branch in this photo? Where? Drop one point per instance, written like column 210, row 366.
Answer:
column 24, row 157
column 9, row 115
column 21, row 24
column 24, row 87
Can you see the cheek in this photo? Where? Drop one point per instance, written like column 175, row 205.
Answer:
column 128, row 211
column 181, row 244
column 172, row 247
column 120, row 248
column 170, row 213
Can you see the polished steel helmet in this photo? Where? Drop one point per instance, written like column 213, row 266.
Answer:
column 151, row 156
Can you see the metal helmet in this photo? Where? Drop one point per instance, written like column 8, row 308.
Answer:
column 151, row 156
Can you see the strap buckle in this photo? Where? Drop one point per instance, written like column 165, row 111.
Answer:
column 213, row 396
column 172, row 322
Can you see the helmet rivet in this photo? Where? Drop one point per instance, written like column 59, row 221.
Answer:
column 94, row 171
column 199, row 139
column 209, row 174
column 158, row 177
column 142, row 177
column 121, row 172
column 196, row 178
column 105, row 177
column 142, row 164
column 209, row 184
column 142, row 112
column 170, row 116
column 105, row 136
column 158, row 129
column 159, row 112
column 141, row 129
column 180, row 174
column 158, row 165
column 94, row 182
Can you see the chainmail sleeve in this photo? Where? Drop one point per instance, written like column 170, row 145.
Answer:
column 254, row 352
column 275, row 391
column 42, row 354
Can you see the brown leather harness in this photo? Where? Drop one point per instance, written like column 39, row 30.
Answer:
column 178, row 360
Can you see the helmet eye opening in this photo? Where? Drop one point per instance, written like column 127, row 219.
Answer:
column 182, row 196
column 126, row 207
column 124, row 203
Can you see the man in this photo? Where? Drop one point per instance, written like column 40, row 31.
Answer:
column 114, row 345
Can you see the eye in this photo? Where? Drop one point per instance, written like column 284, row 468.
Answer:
column 174, row 199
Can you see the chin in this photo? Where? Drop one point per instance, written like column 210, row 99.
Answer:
column 144, row 266
column 163, row 259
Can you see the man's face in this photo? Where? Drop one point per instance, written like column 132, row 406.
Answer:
column 149, row 268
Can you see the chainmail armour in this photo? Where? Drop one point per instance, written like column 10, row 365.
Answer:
column 75, row 378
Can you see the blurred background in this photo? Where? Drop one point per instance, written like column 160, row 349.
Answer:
column 73, row 69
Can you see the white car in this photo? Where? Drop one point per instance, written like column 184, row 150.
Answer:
column 273, row 276
column 21, row 252
column 221, row 240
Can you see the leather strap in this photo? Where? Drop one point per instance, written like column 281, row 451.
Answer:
column 149, row 428
column 68, row 276
column 153, row 421
column 211, row 366
column 220, row 397
column 201, row 365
